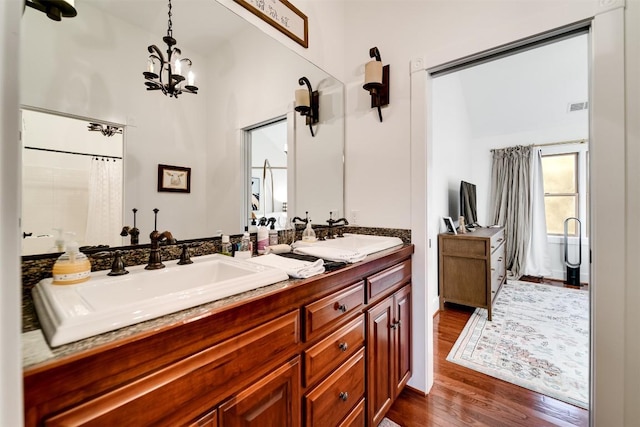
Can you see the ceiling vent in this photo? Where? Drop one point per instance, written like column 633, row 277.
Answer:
column 577, row 106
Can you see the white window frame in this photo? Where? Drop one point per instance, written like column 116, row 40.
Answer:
column 582, row 150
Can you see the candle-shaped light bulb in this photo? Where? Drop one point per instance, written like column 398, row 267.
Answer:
column 191, row 78
column 150, row 65
column 178, row 67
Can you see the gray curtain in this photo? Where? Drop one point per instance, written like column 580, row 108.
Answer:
column 511, row 201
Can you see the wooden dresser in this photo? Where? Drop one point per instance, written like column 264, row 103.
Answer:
column 471, row 267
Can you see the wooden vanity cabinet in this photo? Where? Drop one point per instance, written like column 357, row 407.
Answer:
column 313, row 354
column 272, row 401
column 388, row 340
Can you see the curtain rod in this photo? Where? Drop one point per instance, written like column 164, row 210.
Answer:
column 72, row 152
column 574, row 141
column 549, row 144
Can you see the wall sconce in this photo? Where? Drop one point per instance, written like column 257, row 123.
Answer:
column 307, row 103
column 376, row 81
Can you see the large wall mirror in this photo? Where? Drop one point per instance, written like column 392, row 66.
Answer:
column 91, row 66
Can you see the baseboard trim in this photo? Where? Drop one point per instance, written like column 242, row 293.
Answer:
column 410, row 389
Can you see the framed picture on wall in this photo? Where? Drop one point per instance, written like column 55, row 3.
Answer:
column 175, row 179
column 449, row 225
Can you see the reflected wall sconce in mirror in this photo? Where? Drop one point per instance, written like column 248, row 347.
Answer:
column 376, row 81
column 106, row 130
column 307, row 103
column 55, row 9
column 170, row 71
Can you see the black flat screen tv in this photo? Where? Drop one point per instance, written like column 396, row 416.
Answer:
column 468, row 207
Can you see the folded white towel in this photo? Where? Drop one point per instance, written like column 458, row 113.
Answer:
column 277, row 249
column 293, row 267
column 330, row 254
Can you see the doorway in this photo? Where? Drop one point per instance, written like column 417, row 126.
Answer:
column 529, row 97
column 266, row 150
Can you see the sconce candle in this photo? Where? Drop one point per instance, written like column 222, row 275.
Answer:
column 302, row 98
column 373, row 72
column 191, row 79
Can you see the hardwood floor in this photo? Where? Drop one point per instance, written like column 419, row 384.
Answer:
column 463, row 397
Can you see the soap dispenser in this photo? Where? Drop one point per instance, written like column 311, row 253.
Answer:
column 72, row 266
column 308, row 235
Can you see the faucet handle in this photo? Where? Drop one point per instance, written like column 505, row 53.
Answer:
column 185, row 258
column 117, row 266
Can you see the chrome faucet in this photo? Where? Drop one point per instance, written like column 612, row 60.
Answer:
column 155, row 259
column 333, row 222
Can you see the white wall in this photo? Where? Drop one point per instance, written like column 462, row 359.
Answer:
column 83, row 67
column 10, row 289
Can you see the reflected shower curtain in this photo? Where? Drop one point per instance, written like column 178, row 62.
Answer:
column 511, row 201
column 537, row 262
column 104, row 220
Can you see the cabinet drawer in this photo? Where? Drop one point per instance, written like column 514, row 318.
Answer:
column 356, row 418
column 336, row 396
column 187, row 386
column 331, row 309
column 497, row 240
column 462, row 246
column 333, row 350
column 387, row 279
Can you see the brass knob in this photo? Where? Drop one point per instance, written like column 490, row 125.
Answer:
column 344, row 396
column 343, row 346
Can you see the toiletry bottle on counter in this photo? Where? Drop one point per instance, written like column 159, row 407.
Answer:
column 273, row 234
column 253, row 228
column 225, row 248
column 263, row 235
column 289, row 232
column 71, row 267
column 245, row 249
column 308, row 235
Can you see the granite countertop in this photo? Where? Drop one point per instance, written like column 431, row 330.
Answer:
column 35, row 349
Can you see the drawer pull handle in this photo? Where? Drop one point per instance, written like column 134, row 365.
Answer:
column 500, row 239
column 500, row 259
column 343, row 346
column 493, row 269
column 341, row 307
column 344, row 396
column 396, row 324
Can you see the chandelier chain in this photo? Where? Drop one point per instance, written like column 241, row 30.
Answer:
column 170, row 27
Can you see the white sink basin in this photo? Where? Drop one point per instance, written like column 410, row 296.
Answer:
column 363, row 243
column 72, row 312
column 350, row 248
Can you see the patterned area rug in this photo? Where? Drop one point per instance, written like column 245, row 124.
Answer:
column 538, row 339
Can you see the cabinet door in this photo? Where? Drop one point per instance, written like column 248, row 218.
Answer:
column 380, row 356
column 207, row 420
column 402, row 329
column 273, row 401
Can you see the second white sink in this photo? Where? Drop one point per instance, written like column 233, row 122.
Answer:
column 72, row 312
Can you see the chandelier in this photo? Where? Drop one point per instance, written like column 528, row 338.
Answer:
column 170, row 71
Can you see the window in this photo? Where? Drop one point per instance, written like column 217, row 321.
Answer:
column 561, row 197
